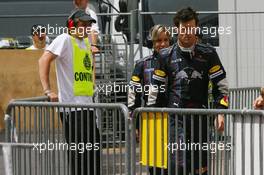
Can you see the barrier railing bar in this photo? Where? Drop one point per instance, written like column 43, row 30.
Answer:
column 205, row 12
column 183, row 111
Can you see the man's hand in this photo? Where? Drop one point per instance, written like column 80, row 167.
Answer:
column 94, row 50
column 220, row 122
column 259, row 103
column 53, row 97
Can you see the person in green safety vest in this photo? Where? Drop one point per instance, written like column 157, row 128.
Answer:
column 75, row 80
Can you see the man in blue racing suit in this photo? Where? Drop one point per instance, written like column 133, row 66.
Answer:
column 189, row 66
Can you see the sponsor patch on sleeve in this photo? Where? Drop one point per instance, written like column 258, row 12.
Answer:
column 215, row 69
column 216, row 74
column 160, row 73
column 135, row 78
column 155, row 77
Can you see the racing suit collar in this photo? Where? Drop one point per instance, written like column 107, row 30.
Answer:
column 187, row 52
column 188, row 49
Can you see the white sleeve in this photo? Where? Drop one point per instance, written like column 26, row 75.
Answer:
column 59, row 45
column 95, row 26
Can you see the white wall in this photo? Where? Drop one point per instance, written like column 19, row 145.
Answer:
column 249, row 38
column 250, row 46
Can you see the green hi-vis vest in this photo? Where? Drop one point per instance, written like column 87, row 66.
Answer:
column 83, row 84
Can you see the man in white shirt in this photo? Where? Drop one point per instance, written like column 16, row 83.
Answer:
column 75, row 79
column 84, row 4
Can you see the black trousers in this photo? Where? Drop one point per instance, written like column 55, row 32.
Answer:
column 81, row 130
column 158, row 171
column 179, row 154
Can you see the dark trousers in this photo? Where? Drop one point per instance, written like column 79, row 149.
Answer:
column 177, row 156
column 158, row 171
column 81, row 130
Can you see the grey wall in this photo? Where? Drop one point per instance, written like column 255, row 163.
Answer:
column 14, row 26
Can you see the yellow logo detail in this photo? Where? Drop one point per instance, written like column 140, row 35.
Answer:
column 135, row 78
column 160, row 73
column 224, row 102
column 215, row 69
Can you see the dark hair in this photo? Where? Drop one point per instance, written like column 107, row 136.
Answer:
column 37, row 29
column 184, row 15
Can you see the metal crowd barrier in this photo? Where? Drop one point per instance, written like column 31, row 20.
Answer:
column 241, row 98
column 185, row 141
column 111, row 76
column 57, row 138
column 5, row 152
column 111, row 68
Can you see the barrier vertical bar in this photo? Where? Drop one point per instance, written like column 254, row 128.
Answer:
column 184, row 141
column 208, row 141
column 251, row 145
column 175, row 119
column 243, row 145
column 120, row 143
column 140, row 27
column 131, row 125
column 114, row 142
column 261, row 143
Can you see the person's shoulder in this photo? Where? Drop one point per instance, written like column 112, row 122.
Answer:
column 147, row 58
column 62, row 38
column 205, row 48
column 142, row 60
column 60, row 44
column 90, row 11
